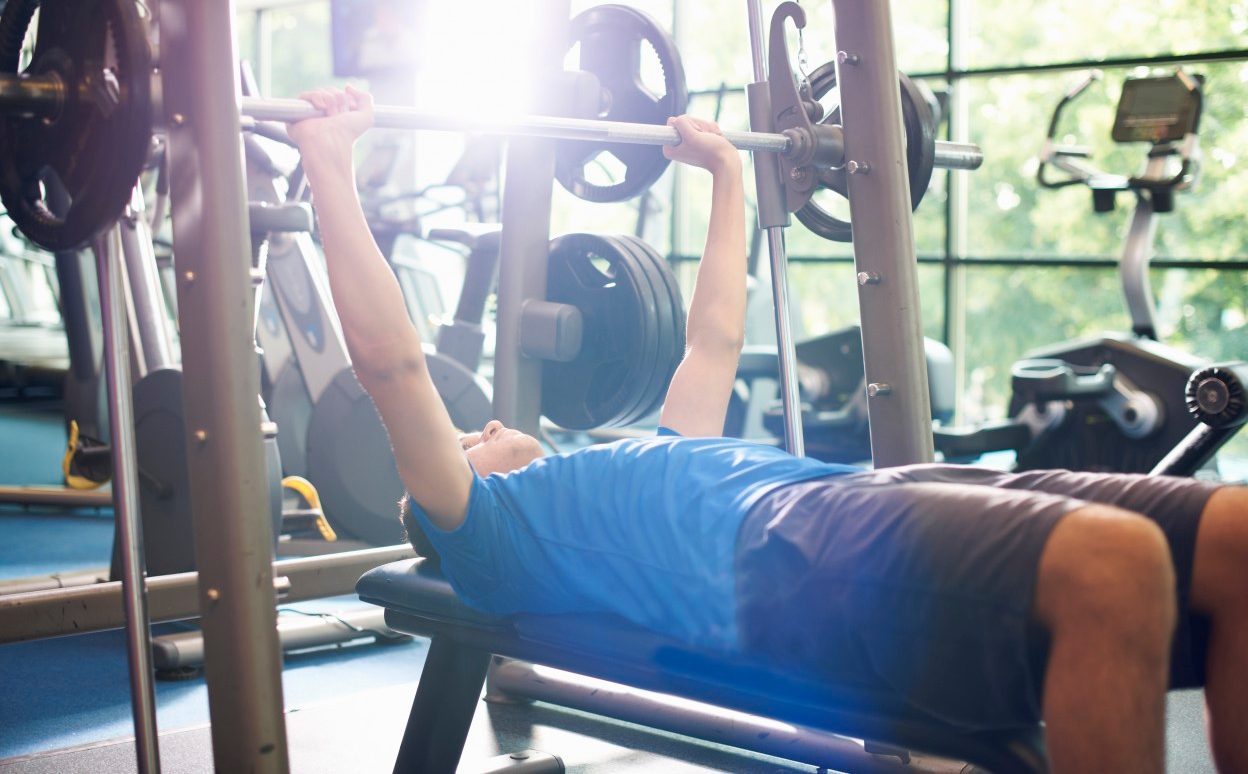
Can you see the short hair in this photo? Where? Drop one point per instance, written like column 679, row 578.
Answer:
column 415, row 533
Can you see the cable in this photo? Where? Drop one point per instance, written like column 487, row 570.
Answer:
column 337, row 619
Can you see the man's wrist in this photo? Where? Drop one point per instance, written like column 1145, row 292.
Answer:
column 727, row 164
column 327, row 155
column 326, row 150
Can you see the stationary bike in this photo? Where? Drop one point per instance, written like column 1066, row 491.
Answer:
column 1124, row 402
column 1117, row 402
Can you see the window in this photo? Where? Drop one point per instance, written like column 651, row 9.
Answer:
column 1024, row 266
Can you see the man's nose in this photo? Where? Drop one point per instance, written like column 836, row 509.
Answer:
column 492, row 428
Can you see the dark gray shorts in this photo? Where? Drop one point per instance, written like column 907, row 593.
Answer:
column 919, row 580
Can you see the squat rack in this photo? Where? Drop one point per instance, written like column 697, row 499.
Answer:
column 201, row 115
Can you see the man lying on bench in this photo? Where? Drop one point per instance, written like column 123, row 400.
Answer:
column 986, row 599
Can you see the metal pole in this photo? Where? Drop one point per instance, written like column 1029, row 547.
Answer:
column 151, row 322
column 54, row 612
column 525, row 239
column 770, row 209
column 899, row 404
column 704, row 721
column 948, row 155
column 55, row 495
column 228, row 474
column 126, row 499
column 31, row 95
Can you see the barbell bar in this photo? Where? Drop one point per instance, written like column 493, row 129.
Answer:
column 949, row 155
column 41, row 96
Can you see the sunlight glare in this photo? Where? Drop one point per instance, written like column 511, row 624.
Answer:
column 475, row 58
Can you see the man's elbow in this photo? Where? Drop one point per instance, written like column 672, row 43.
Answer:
column 379, row 363
column 726, row 340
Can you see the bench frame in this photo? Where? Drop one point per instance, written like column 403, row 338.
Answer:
column 464, row 640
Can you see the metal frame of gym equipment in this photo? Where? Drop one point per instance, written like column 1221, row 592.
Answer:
column 236, row 597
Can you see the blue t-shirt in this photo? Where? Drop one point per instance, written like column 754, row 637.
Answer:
column 643, row 528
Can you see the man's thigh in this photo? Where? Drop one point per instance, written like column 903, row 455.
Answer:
column 921, row 579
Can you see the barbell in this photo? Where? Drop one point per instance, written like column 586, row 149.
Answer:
column 949, row 155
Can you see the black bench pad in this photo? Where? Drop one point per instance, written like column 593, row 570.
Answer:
column 419, row 600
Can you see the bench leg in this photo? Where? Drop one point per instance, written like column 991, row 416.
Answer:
column 446, row 699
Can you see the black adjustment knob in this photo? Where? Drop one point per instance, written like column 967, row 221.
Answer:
column 1216, row 395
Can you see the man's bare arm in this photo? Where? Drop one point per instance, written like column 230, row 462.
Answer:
column 384, row 346
column 697, row 399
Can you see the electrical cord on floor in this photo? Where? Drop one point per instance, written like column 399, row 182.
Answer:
column 338, row 619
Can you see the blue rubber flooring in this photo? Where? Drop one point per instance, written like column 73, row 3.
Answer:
column 74, row 690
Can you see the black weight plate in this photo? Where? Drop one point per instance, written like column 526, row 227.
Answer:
column 593, row 390
column 641, row 370
column 672, row 319
column 918, row 122
column 677, row 302
column 351, row 462
column 96, row 146
column 658, row 314
column 663, row 318
column 164, row 474
column 465, row 394
column 611, row 39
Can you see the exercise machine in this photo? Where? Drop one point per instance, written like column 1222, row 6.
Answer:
column 1117, row 401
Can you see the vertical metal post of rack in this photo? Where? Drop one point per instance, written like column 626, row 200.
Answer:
column 525, row 240
column 151, row 333
column 228, row 475
column 126, row 497
column 899, row 404
column 774, row 217
column 958, row 111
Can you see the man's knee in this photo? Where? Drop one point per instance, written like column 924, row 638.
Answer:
column 1108, row 571
column 1220, row 572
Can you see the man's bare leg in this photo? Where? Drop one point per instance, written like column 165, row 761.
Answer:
column 1220, row 591
column 1106, row 595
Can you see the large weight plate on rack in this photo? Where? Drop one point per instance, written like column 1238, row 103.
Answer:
column 352, row 465
column 97, row 143
column 652, row 320
column 611, row 39
column 164, row 485
column 920, row 132
column 671, row 308
column 600, row 387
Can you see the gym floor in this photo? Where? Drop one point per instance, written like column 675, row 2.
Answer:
column 64, row 703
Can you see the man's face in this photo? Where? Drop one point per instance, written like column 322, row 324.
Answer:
column 499, row 449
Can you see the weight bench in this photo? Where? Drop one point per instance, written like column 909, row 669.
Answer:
column 419, row 600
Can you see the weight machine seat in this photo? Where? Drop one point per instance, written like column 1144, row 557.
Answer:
column 419, row 600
